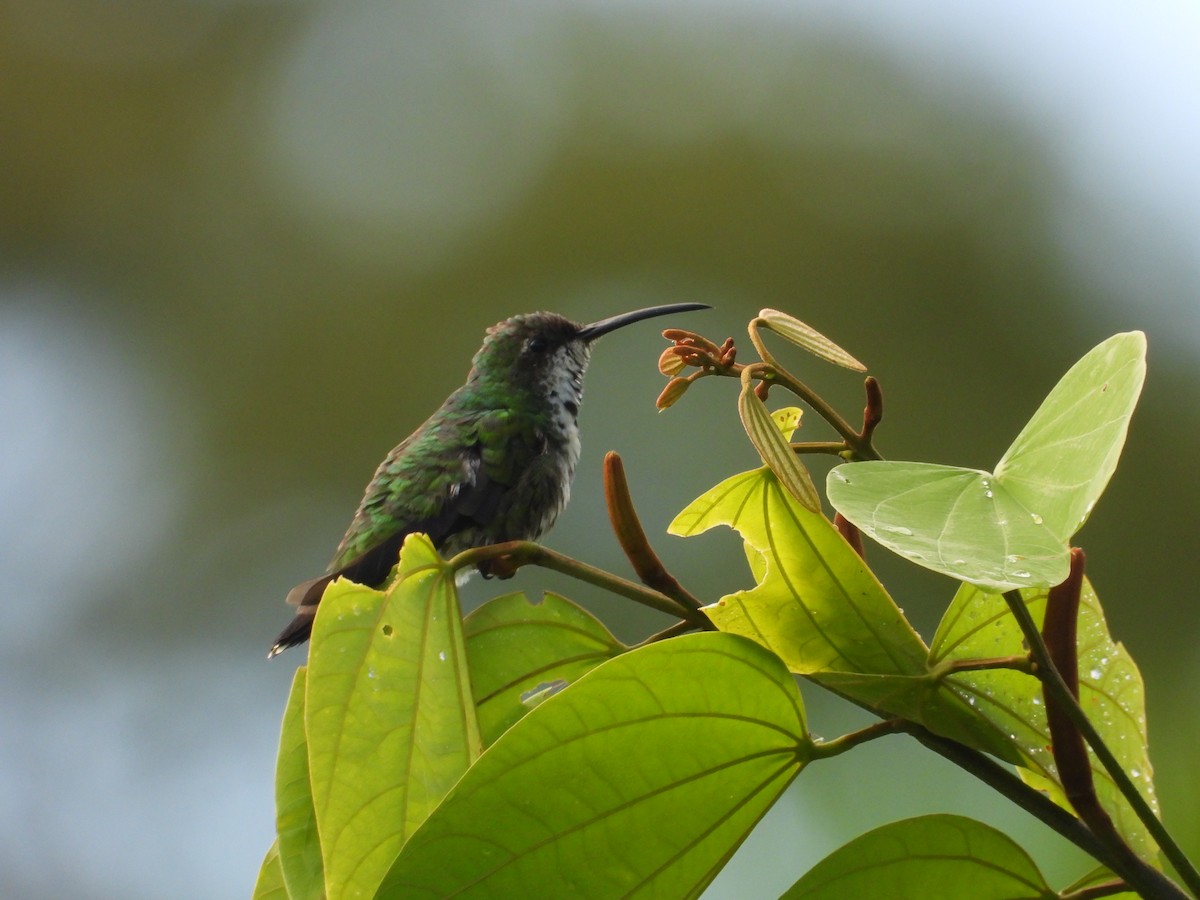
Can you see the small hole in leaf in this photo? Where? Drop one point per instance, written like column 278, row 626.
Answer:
column 387, row 630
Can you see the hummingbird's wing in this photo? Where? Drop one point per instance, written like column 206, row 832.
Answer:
column 419, row 489
column 424, row 487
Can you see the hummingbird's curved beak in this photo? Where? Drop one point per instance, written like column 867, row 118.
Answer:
column 604, row 326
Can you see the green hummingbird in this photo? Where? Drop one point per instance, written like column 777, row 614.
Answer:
column 493, row 464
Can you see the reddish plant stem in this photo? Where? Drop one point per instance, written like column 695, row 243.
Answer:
column 850, row 532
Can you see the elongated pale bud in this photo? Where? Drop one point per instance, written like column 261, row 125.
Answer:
column 805, row 336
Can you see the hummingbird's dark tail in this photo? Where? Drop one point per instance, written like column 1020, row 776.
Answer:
column 371, row 568
column 305, row 597
column 297, row 632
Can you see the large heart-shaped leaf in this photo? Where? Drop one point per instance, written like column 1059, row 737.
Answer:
column 1008, row 529
column 389, row 715
column 641, row 778
column 1062, row 460
column 959, row 522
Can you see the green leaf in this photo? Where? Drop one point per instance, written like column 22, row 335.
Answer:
column 938, row 857
column 787, row 420
column 641, row 778
column 808, row 338
column 269, row 885
column 818, row 607
column 959, row 522
column 1062, row 460
column 1001, row 711
column 390, row 719
column 515, row 647
column 978, row 625
column 1009, row 529
column 295, row 819
column 773, row 447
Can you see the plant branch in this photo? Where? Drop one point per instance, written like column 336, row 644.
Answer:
column 1055, row 687
column 1000, row 778
column 774, row 374
column 1149, row 882
column 1007, row 783
column 1060, row 634
column 515, row 554
column 694, row 350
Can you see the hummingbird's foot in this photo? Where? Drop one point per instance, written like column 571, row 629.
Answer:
column 498, row 567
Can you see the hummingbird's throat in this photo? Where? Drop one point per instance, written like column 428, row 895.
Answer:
column 564, row 394
column 564, row 387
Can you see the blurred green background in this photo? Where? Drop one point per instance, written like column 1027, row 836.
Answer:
column 246, row 246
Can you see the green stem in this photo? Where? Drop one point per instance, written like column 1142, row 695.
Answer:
column 772, row 373
column 833, row 448
column 776, row 373
column 669, row 632
column 756, row 339
column 954, row 666
column 1053, row 682
column 838, row 746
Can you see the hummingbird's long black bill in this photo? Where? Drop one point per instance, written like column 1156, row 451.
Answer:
column 604, row 326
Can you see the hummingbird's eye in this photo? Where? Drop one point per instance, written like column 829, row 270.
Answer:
column 535, row 345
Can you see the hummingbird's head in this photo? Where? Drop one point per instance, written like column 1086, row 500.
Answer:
column 546, row 355
column 539, row 353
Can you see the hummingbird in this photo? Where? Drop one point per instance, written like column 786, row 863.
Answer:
column 493, row 464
